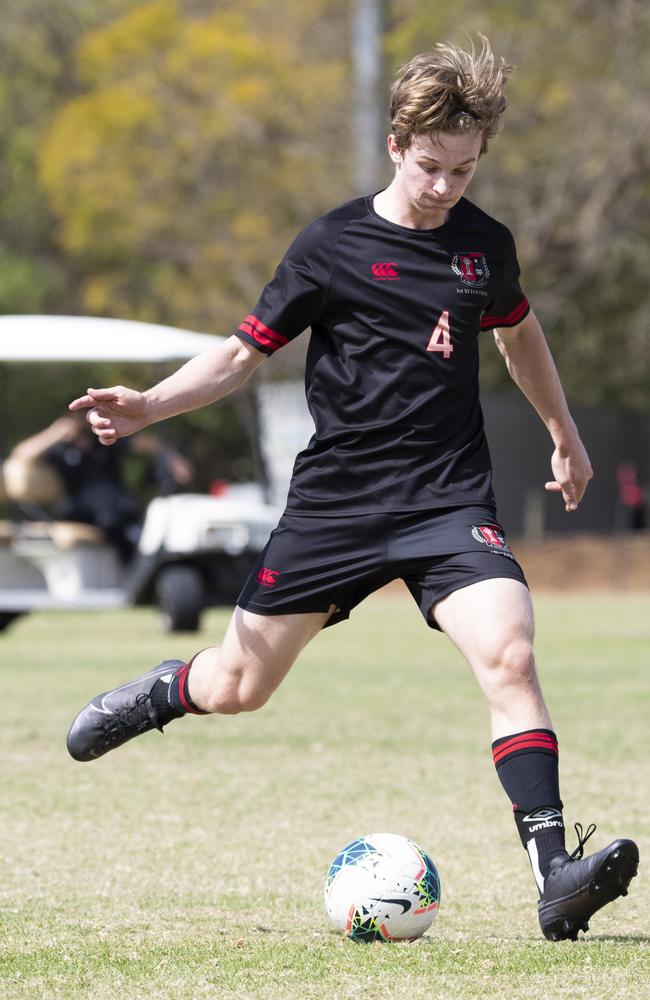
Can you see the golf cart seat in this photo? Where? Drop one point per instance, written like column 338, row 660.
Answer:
column 30, row 481
column 63, row 535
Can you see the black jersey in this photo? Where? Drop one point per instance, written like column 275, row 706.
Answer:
column 392, row 366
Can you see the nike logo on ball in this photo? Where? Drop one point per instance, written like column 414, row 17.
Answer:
column 404, row 903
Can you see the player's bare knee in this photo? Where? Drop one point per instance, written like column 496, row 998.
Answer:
column 512, row 663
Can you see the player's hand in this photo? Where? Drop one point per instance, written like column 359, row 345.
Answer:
column 113, row 413
column 572, row 470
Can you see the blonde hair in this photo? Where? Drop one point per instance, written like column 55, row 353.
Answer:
column 449, row 90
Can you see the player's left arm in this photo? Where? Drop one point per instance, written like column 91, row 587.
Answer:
column 531, row 366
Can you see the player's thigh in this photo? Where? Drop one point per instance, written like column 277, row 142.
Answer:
column 259, row 650
column 488, row 621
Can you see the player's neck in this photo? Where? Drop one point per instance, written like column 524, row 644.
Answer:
column 391, row 205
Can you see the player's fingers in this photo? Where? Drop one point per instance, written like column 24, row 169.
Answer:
column 81, row 403
column 570, row 500
column 107, row 437
column 581, row 486
column 97, row 420
column 105, row 395
column 568, row 494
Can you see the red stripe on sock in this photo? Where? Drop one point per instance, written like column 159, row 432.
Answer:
column 522, row 738
column 183, row 692
column 529, row 735
column 528, row 745
column 182, row 677
column 536, row 744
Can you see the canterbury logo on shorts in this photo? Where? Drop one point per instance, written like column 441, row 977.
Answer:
column 267, row 577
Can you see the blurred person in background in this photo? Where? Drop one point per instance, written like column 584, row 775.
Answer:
column 631, row 499
column 92, row 477
column 396, row 482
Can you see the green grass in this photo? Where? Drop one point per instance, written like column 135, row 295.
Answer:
column 192, row 865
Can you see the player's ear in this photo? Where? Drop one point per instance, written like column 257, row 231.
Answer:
column 393, row 149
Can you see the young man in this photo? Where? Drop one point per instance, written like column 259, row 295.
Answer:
column 396, row 481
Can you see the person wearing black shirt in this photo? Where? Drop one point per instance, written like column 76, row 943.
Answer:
column 92, row 477
column 397, row 288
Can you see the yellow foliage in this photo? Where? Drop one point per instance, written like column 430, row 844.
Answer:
column 99, row 294
column 161, row 172
column 115, row 49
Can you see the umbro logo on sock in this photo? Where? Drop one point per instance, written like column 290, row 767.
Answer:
column 543, row 819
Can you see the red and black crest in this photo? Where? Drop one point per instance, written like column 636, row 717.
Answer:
column 490, row 534
column 471, row 268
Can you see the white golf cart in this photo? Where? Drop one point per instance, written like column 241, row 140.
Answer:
column 194, row 550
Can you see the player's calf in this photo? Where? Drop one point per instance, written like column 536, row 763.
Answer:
column 233, row 691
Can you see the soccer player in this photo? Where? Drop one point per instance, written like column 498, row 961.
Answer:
column 397, row 287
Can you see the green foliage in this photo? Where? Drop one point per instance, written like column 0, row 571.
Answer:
column 35, row 78
column 570, row 174
column 187, row 159
column 157, row 158
column 26, row 284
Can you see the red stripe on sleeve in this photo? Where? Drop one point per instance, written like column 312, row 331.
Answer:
column 263, row 334
column 510, row 320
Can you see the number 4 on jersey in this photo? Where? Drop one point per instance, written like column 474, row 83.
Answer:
column 441, row 337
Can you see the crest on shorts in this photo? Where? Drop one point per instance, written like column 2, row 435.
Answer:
column 471, row 268
column 490, row 534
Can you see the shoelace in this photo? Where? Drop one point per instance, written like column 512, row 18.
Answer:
column 582, row 839
column 125, row 717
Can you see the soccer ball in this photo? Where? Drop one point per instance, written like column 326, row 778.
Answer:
column 382, row 888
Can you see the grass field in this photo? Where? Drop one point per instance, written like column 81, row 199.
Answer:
column 191, row 865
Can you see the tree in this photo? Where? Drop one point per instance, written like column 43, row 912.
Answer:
column 195, row 152
column 35, row 48
column 570, row 174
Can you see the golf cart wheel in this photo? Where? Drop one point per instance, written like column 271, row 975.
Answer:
column 181, row 597
column 7, row 617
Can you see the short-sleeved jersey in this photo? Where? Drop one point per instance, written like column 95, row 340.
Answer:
column 392, row 366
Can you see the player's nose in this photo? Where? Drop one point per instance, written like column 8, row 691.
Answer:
column 441, row 186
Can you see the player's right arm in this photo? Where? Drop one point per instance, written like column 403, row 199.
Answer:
column 118, row 411
column 291, row 301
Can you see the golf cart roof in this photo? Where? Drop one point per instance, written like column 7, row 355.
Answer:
column 90, row 338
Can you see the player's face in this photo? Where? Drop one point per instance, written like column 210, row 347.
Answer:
column 432, row 174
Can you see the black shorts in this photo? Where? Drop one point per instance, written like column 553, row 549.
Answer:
column 311, row 563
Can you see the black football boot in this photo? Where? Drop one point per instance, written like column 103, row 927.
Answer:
column 116, row 716
column 575, row 887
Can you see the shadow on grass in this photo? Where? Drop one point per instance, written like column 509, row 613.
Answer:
column 621, row 938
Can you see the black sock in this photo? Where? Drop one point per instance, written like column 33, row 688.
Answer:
column 170, row 695
column 179, row 691
column 527, row 766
